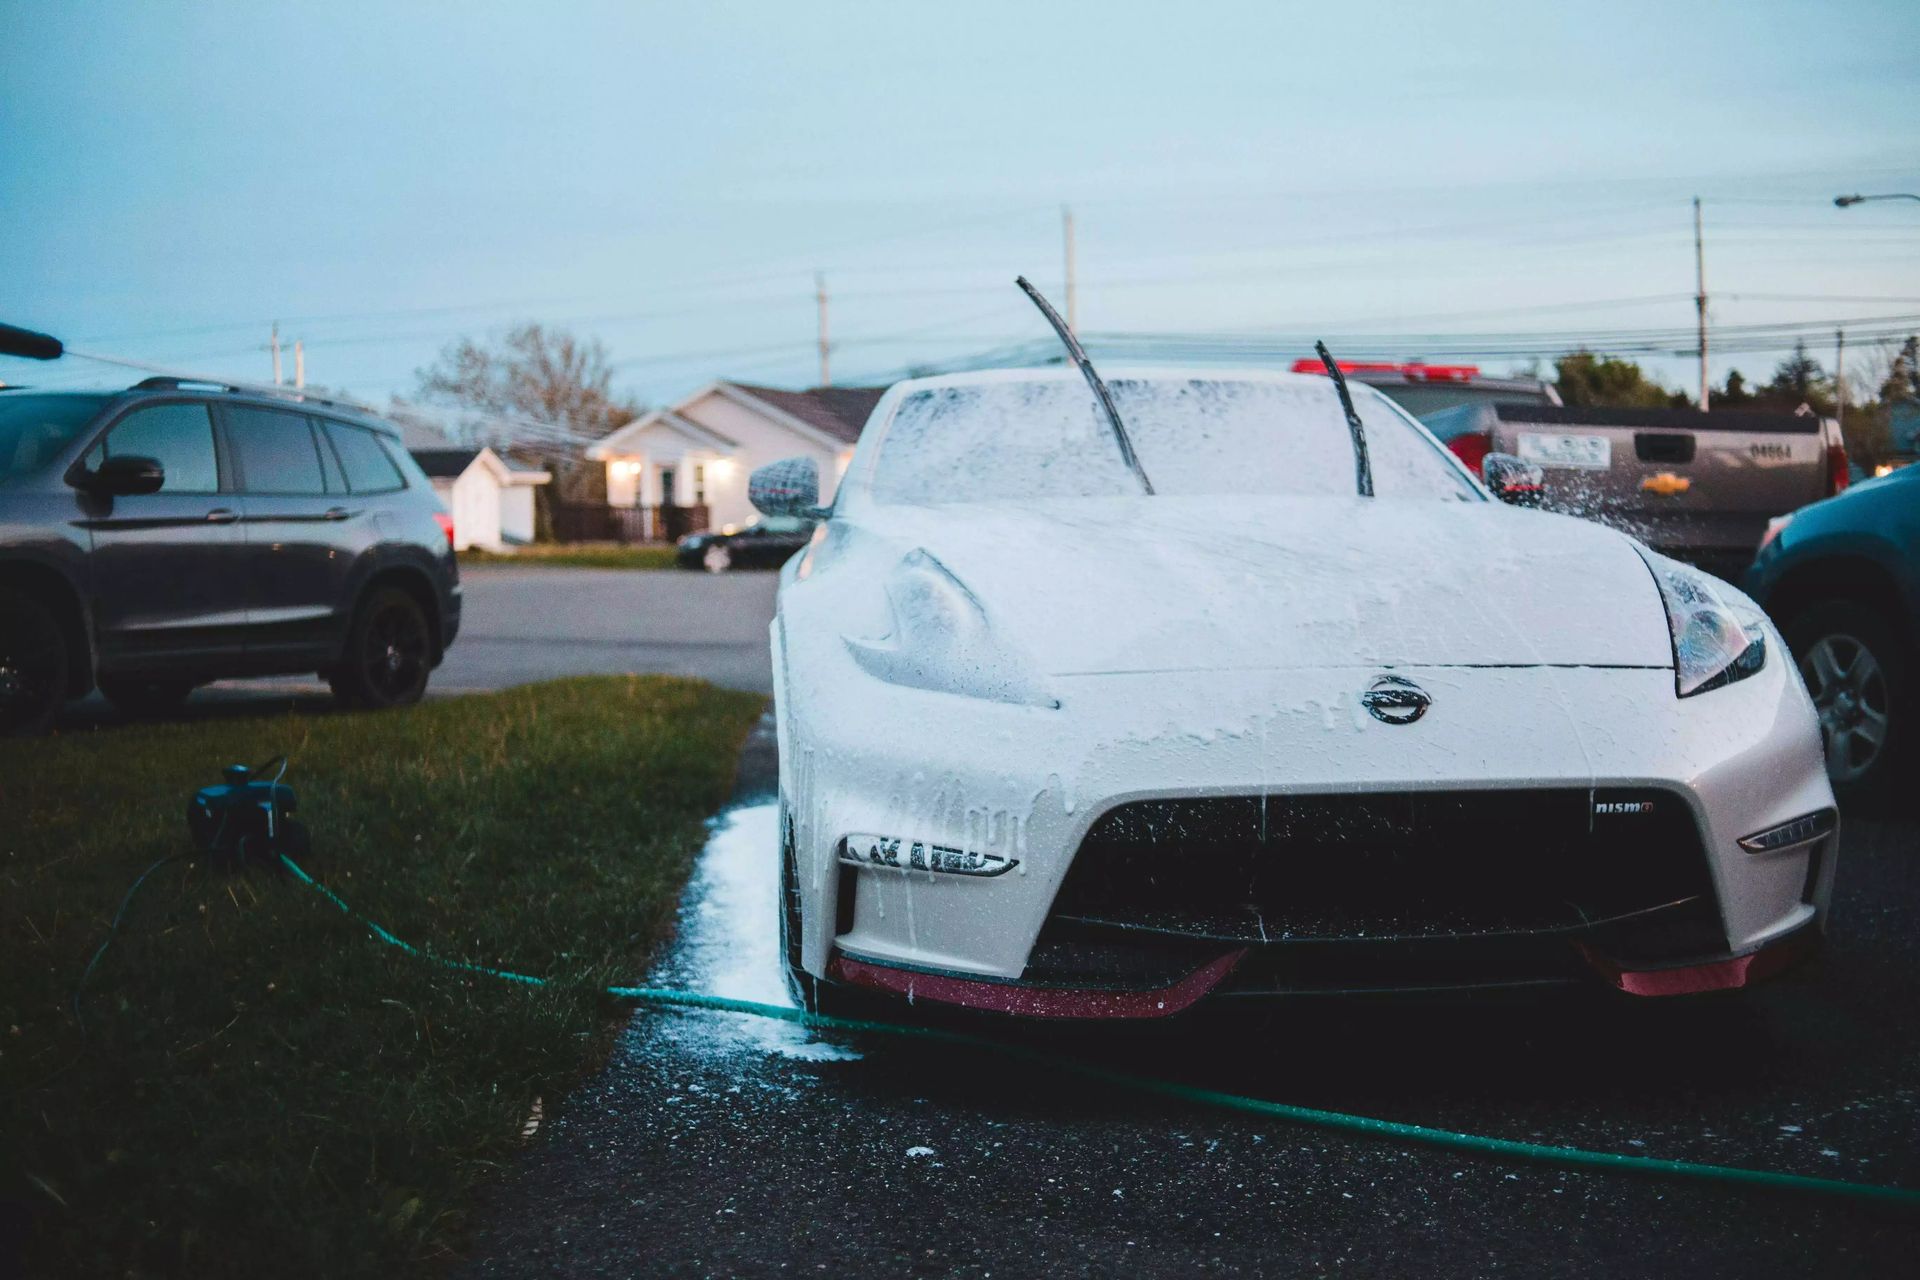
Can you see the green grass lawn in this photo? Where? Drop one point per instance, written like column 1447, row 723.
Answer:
column 259, row 1089
column 579, row 555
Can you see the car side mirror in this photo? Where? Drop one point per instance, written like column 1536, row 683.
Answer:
column 1514, row 480
column 125, row 476
column 789, row 487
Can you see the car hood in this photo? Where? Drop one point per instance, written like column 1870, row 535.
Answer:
column 1179, row 584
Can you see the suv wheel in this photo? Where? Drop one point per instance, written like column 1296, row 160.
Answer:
column 33, row 666
column 1857, row 674
column 143, row 696
column 389, row 653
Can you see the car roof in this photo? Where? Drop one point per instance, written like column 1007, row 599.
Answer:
column 1110, row 374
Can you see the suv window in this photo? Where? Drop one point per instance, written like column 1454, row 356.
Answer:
column 329, row 460
column 178, row 436
column 35, row 428
column 365, row 460
column 275, row 450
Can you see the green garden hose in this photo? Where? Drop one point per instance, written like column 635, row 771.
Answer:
column 1499, row 1148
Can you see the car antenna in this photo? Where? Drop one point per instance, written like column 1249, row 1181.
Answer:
column 1362, row 466
column 1100, row 391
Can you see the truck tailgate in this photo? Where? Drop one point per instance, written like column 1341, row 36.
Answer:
column 1698, row 485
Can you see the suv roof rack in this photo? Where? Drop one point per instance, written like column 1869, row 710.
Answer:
column 174, row 384
column 168, row 382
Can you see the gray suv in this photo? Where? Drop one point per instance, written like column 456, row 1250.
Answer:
column 177, row 532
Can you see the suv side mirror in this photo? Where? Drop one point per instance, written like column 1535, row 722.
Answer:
column 1514, row 479
column 789, row 487
column 127, row 476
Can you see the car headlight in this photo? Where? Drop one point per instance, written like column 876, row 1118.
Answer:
column 1719, row 636
column 940, row 640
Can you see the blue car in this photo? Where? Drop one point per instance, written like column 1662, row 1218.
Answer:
column 1842, row 580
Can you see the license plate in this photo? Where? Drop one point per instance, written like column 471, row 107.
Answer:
column 1586, row 453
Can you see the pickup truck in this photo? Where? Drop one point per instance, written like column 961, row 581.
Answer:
column 1700, row 487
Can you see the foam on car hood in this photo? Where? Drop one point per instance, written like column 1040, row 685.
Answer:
column 1160, row 583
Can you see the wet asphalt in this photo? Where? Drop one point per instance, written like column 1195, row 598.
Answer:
column 722, row 1145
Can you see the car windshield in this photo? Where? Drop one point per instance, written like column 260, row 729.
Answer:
column 780, row 524
column 35, row 428
column 1027, row 440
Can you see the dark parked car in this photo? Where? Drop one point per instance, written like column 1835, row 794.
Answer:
column 766, row 543
column 174, row 533
column 1842, row 578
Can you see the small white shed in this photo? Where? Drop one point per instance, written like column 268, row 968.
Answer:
column 491, row 499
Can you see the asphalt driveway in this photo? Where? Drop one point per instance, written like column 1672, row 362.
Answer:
column 718, row 1144
column 522, row 625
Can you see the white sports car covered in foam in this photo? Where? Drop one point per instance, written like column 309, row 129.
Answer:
column 1083, row 721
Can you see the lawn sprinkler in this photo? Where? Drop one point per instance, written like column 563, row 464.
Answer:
column 246, row 819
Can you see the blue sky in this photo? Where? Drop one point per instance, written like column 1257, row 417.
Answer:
column 382, row 178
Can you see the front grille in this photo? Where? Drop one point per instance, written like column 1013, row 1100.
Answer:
column 1622, row 869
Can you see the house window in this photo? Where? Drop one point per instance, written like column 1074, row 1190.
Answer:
column 699, row 484
column 666, row 487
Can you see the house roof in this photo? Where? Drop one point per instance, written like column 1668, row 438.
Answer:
column 451, row 464
column 696, row 432
column 444, row 464
column 838, row 411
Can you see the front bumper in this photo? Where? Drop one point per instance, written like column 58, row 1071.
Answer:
column 1215, row 978
column 1029, row 784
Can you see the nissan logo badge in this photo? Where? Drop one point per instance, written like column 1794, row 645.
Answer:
column 1392, row 700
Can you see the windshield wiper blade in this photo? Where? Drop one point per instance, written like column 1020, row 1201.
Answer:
column 1362, row 465
column 1100, row 391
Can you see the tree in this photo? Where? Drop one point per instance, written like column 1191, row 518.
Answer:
column 1798, row 380
column 1902, row 382
column 1888, row 427
column 540, row 392
column 1734, row 394
column 541, row 376
column 1590, row 381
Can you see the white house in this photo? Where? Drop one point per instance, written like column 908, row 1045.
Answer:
column 491, row 499
column 698, row 452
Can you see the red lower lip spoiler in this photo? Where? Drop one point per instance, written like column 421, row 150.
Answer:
column 1715, row 975
column 1037, row 1002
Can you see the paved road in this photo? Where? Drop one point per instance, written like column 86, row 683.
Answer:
column 522, row 625
column 536, row 624
column 720, row 1145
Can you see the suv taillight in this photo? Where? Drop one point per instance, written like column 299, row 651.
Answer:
column 1472, row 447
column 445, row 522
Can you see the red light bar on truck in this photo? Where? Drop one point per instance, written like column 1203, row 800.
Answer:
column 1411, row 372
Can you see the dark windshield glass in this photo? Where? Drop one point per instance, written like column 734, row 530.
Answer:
column 35, row 428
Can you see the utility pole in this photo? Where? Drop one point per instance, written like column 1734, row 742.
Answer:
column 275, row 345
column 299, row 364
column 820, row 296
column 1840, row 376
column 1700, row 302
column 1073, row 294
